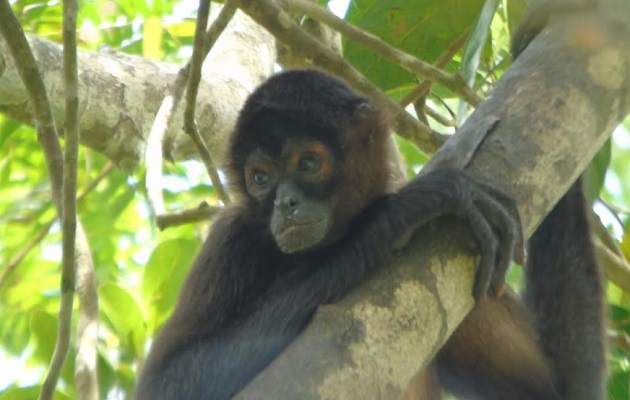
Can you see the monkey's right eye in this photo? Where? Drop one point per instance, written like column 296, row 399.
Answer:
column 260, row 177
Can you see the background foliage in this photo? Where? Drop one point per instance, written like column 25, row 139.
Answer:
column 140, row 269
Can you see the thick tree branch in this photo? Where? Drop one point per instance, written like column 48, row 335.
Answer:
column 552, row 121
column 119, row 94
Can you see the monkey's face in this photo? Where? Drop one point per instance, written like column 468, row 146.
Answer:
column 294, row 188
column 307, row 156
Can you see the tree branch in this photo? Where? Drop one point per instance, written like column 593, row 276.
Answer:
column 120, row 94
column 69, row 212
column 552, row 121
column 194, row 78
column 154, row 157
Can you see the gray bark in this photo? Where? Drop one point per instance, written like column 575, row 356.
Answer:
column 119, row 94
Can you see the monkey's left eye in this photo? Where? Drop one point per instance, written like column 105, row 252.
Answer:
column 260, row 177
column 309, row 163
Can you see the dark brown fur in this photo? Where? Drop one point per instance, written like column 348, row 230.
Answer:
column 245, row 299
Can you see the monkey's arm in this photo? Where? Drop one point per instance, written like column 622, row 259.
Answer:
column 370, row 243
column 368, row 246
column 224, row 278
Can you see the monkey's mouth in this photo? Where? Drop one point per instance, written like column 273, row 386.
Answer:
column 295, row 235
column 300, row 222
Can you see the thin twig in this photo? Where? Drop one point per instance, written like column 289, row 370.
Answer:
column 69, row 206
column 615, row 211
column 451, row 123
column 85, row 372
column 153, row 154
column 269, row 15
column 202, row 213
column 446, row 106
column 608, row 254
column 17, row 44
column 423, row 87
column 13, row 35
column 620, row 338
column 218, row 26
column 454, row 82
column 47, row 134
column 190, row 126
column 15, row 261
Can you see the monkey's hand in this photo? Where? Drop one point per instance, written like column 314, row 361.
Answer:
column 492, row 214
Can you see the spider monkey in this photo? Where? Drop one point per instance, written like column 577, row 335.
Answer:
column 312, row 219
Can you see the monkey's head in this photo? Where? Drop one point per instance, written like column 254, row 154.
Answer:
column 307, row 155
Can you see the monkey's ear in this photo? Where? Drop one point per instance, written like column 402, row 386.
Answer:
column 366, row 122
column 363, row 111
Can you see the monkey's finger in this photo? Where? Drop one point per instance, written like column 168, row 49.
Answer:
column 507, row 229
column 512, row 208
column 488, row 244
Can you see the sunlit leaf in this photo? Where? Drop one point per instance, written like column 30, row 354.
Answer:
column 625, row 244
column 152, row 38
column 411, row 155
column 595, row 173
column 164, row 274
column 618, row 384
column 43, row 328
column 476, row 41
column 515, row 10
column 29, row 393
column 126, row 317
column 423, row 29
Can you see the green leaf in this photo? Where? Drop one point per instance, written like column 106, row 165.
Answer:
column 476, row 41
column 106, row 375
column 163, row 276
column 14, row 329
column 44, row 335
column 625, row 244
column 152, row 38
column 411, row 155
column 125, row 315
column 595, row 173
column 621, row 318
column 423, row 29
column 29, row 393
column 618, row 384
column 515, row 9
